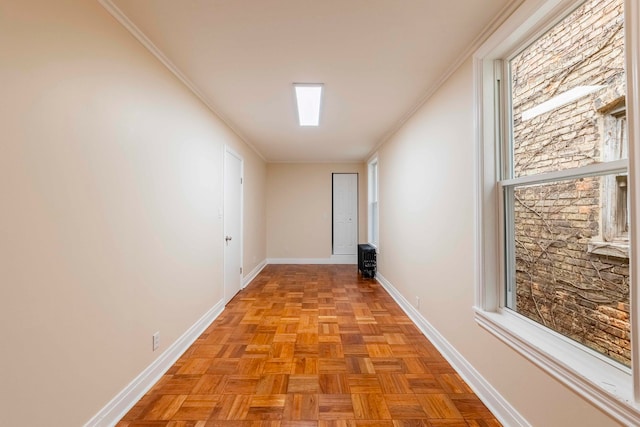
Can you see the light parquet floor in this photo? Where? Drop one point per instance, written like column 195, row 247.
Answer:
column 311, row 345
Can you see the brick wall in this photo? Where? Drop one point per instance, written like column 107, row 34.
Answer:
column 559, row 281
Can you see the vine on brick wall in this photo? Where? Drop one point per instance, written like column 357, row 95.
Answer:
column 559, row 283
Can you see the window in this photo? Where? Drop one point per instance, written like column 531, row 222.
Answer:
column 550, row 220
column 613, row 239
column 373, row 201
column 555, row 282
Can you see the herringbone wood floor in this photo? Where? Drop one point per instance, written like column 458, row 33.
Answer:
column 308, row 345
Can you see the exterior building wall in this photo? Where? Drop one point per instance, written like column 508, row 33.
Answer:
column 569, row 275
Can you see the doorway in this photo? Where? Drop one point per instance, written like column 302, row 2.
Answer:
column 233, row 170
column 345, row 213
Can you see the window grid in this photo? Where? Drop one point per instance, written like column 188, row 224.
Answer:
column 373, row 202
column 611, row 387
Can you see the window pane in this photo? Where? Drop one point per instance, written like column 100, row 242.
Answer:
column 373, row 202
column 374, row 181
column 374, row 223
column 567, row 89
column 566, row 277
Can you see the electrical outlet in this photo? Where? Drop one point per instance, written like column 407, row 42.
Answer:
column 156, row 341
column 418, row 303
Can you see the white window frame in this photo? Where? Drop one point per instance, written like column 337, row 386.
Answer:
column 373, row 208
column 608, row 385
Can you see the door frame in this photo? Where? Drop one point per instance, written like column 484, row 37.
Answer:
column 357, row 174
column 231, row 151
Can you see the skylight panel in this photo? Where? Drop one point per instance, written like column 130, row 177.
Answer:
column 309, row 99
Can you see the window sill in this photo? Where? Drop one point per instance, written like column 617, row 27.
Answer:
column 614, row 249
column 599, row 380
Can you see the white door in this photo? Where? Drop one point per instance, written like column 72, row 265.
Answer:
column 345, row 213
column 232, row 224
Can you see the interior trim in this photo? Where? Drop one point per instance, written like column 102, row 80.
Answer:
column 148, row 44
column 254, row 273
column 117, row 408
column 497, row 404
column 486, row 32
column 334, row 259
column 598, row 381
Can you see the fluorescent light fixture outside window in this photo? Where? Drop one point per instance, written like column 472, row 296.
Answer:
column 308, row 97
column 558, row 101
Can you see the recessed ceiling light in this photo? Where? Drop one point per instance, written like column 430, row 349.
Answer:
column 560, row 100
column 308, row 97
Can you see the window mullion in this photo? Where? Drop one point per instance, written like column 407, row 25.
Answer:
column 596, row 169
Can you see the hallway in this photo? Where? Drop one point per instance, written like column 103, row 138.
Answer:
column 311, row 345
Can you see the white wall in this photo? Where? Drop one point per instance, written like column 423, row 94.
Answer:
column 426, row 199
column 111, row 182
column 299, row 208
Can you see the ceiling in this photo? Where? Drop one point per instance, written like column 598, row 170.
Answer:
column 378, row 60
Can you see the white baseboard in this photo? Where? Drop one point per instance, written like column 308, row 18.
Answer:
column 131, row 394
column 253, row 274
column 497, row 404
column 334, row 259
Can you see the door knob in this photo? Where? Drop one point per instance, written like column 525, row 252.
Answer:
column 227, row 238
